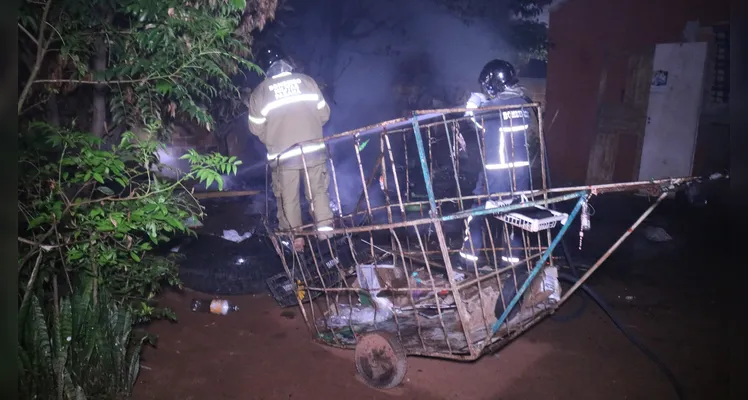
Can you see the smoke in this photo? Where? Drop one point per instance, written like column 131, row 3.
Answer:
column 378, row 59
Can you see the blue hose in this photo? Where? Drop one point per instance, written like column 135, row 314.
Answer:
column 633, row 339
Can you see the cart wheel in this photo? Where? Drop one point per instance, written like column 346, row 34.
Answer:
column 380, row 360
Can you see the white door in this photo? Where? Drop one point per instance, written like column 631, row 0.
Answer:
column 674, row 109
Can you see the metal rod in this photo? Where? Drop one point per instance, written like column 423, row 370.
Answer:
column 539, row 264
column 485, row 211
column 424, row 165
column 459, row 215
column 463, row 109
column 613, row 248
column 454, row 157
column 604, row 188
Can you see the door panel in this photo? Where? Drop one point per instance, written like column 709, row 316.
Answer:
column 673, row 112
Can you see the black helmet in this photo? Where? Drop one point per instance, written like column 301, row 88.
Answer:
column 267, row 56
column 496, row 76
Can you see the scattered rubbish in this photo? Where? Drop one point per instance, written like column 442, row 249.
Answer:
column 368, row 279
column 215, row 306
column 478, row 307
column 431, row 313
column 656, row 234
column 345, row 314
column 193, row 222
column 288, row 314
column 630, row 298
column 461, row 144
column 234, row 236
column 551, row 284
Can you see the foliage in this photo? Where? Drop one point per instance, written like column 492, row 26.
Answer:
column 93, row 215
column 161, row 59
column 81, row 347
column 531, row 37
column 100, row 212
column 528, row 35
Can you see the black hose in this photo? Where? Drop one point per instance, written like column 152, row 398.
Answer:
column 647, row 352
column 574, row 315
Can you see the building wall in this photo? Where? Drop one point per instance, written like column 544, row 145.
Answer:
column 534, row 89
column 588, row 36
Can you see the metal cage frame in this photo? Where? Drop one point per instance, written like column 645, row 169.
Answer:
column 464, row 339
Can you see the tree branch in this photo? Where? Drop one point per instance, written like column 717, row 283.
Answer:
column 41, row 50
column 91, row 82
column 32, row 280
column 28, row 34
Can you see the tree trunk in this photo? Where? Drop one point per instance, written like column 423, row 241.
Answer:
column 53, row 110
column 98, row 124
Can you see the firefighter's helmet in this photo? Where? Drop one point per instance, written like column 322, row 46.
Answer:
column 496, row 76
column 269, row 56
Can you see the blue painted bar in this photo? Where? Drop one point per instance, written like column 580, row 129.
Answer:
column 424, row 165
column 538, row 266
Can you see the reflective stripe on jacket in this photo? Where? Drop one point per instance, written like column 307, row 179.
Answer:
column 285, row 110
column 505, row 137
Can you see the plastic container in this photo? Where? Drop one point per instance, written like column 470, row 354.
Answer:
column 215, row 306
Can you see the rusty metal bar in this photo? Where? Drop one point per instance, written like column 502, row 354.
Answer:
column 459, row 215
column 455, row 157
column 612, row 248
column 539, row 265
column 482, row 109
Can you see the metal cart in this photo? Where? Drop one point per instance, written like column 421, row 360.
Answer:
column 401, row 291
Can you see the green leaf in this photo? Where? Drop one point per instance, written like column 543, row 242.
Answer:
column 105, row 190
column 164, row 87
column 135, row 256
column 38, row 221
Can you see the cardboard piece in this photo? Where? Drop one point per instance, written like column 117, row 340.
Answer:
column 543, row 289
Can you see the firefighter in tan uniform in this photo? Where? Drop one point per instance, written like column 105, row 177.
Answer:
column 285, row 111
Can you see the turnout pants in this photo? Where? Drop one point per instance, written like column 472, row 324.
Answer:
column 286, row 186
column 499, row 181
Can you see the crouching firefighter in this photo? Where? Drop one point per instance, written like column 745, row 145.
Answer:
column 286, row 110
column 507, row 166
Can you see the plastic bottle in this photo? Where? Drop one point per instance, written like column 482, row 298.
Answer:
column 215, row 306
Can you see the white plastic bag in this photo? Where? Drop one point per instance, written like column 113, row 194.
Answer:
column 359, row 314
column 234, row 236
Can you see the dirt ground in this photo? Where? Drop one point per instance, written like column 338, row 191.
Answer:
column 670, row 302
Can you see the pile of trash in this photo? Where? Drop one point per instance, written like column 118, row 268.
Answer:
column 384, row 295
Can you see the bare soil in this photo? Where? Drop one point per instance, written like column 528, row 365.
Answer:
column 671, row 303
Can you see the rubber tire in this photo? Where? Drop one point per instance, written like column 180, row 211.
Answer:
column 370, row 347
column 209, row 267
